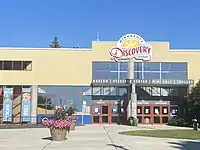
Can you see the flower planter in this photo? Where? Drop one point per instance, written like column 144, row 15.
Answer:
column 58, row 134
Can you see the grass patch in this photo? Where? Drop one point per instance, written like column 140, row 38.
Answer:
column 177, row 134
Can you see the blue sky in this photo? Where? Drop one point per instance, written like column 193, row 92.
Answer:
column 33, row 23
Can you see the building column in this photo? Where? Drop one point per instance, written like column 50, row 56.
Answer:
column 133, row 98
column 34, row 100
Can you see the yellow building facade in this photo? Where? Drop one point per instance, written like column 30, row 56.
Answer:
column 59, row 67
column 62, row 66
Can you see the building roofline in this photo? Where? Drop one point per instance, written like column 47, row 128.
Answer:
column 30, row 48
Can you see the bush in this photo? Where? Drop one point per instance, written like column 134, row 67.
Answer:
column 180, row 122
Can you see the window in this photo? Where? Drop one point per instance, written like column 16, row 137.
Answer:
column 174, row 66
column 100, row 74
column 151, row 75
column 123, row 66
column 104, row 66
column 174, row 75
column 164, row 110
column 139, row 109
column 138, row 75
column 151, row 66
column 27, row 65
column 146, row 109
column 17, row 65
column 124, row 75
column 155, row 91
column 156, row 110
column 1, row 65
column 137, row 66
column 7, row 65
column 156, row 119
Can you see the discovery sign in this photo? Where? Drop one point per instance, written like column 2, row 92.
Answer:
column 142, row 81
column 131, row 46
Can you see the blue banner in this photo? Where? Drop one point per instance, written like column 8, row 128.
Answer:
column 26, row 107
column 7, row 104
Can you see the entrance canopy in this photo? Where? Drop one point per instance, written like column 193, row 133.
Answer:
column 142, row 82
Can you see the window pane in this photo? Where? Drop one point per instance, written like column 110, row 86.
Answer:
column 7, row 65
column 155, row 91
column 104, row 66
column 124, row 75
column 166, row 66
column 174, row 91
column 123, row 66
column 165, row 91
column 27, row 65
column 17, row 65
column 137, row 75
column 104, row 75
column 137, row 66
column 151, row 75
column 174, row 75
column 1, row 65
column 151, row 66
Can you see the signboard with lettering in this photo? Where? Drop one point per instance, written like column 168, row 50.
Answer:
column 143, row 81
column 131, row 46
column 7, row 104
column 26, row 104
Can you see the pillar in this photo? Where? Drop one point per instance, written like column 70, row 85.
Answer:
column 34, row 100
column 133, row 97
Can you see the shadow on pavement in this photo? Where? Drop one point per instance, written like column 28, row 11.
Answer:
column 186, row 145
column 47, row 138
column 117, row 146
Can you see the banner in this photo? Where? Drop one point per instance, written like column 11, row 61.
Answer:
column 7, row 104
column 26, row 105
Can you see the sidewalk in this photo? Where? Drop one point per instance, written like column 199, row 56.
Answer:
column 91, row 137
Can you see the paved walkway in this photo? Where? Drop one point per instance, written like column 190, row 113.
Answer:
column 92, row 137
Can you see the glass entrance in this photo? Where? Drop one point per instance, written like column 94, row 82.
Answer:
column 105, row 113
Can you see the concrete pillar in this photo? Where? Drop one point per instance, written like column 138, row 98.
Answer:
column 34, row 100
column 132, row 107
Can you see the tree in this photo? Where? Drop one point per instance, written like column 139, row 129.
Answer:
column 194, row 102
column 55, row 43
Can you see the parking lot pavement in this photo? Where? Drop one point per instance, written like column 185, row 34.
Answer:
column 90, row 137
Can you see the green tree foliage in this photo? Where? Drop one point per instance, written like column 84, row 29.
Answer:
column 194, row 102
column 55, row 43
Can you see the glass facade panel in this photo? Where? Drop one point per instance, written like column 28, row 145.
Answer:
column 151, row 75
column 142, row 70
column 137, row 66
column 174, row 66
column 138, row 75
column 64, row 96
column 104, row 75
column 123, row 66
column 123, row 75
column 151, row 66
column 174, row 75
column 104, row 65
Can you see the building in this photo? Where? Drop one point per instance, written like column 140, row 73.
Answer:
column 35, row 81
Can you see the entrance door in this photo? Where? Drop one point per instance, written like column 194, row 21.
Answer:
column 105, row 113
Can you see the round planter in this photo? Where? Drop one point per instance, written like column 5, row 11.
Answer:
column 58, row 134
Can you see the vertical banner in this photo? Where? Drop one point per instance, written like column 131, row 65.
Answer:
column 7, row 104
column 26, row 104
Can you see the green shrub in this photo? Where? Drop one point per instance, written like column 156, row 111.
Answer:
column 178, row 122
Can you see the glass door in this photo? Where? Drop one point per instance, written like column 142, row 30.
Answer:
column 96, row 113
column 105, row 114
